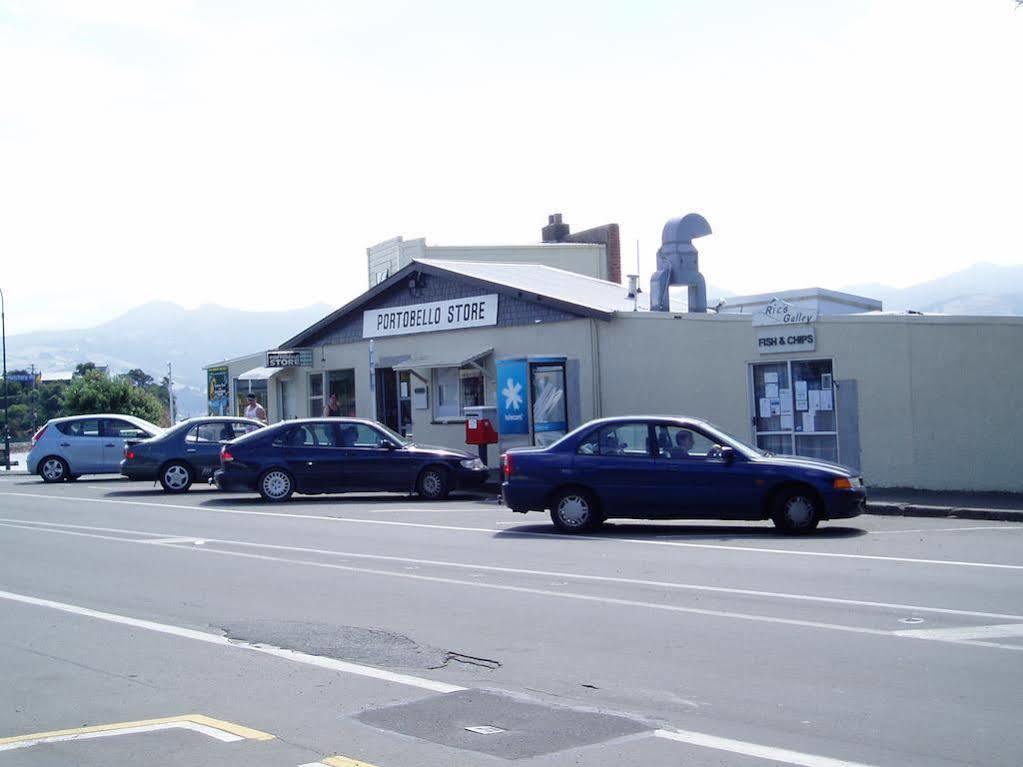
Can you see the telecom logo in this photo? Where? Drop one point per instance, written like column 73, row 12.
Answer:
column 512, row 397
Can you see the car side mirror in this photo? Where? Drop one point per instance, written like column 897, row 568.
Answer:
column 386, row 444
column 727, row 454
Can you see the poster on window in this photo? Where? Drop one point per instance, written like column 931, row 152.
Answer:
column 218, row 392
column 512, row 395
column 550, row 414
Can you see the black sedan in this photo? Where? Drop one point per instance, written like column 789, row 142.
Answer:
column 184, row 453
column 338, row 455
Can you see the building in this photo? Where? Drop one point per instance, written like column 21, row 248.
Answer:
column 912, row 400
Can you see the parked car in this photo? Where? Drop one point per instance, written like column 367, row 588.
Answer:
column 648, row 467
column 66, row 448
column 187, row 452
column 338, row 455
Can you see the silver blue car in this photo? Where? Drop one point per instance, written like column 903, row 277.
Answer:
column 66, row 448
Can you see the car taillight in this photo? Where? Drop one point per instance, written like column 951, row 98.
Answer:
column 506, row 465
column 129, row 454
column 225, row 455
column 38, row 435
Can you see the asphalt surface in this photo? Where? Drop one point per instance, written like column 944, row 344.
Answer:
column 380, row 628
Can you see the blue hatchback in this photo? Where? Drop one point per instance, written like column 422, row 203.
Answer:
column 650, row 467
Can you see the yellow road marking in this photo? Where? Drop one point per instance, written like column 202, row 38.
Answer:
column 218, row 724
column 344, row 761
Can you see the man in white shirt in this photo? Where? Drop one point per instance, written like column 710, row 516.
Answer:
column 254, row 409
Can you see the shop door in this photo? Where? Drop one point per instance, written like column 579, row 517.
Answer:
column 404, row 403
column 793, row 408
column 387, row 398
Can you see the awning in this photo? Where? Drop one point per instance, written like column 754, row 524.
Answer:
column 443, row 360
column 260, row 374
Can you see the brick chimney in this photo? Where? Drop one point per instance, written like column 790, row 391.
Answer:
column 606, row 235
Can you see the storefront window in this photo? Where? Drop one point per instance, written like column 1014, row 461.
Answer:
column 341, row 384
column 241, row 391
column 315, row 395
column 456, row 389
column 794, row 408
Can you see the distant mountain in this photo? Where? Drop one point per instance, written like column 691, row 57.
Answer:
column 984, row 289
column 151, row 335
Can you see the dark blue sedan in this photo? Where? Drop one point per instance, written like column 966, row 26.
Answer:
column 338, row 455
column 649, row 467
column 185, row 453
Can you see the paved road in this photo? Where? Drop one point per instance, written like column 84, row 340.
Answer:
column 379, row 628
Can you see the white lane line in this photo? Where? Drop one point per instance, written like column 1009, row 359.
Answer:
column 547, row 536
column 1016, row 526
column 212, row 732
column 1003, row 631
column 171, row 538
column 753, row 749
column 538, row 592
column 295, row 656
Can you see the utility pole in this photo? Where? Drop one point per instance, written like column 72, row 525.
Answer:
column 34, row 397
column 7, row 420
column 170, row 391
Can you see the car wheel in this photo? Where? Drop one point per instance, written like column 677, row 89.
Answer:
column 276, row 485
column 53, row 469
column 176, row 477
column 796, row 512
column 433, row 484
column 575, row 511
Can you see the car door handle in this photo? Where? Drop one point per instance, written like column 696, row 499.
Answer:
column 190, row 450
column 65, row 444
column 109, row 444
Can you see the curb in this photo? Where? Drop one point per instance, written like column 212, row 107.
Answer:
column 948, row 512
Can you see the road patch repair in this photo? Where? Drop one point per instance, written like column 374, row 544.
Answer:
column 500, row 724
column 227, row 732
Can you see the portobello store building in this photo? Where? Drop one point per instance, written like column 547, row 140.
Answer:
column 443, row 339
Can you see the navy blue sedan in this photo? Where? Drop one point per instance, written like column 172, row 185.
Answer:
column 186, row 452
column 647, row 467
column 338, row 455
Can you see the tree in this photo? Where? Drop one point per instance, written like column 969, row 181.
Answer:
column 93, row 392
column 139, row 377
column 84, row 367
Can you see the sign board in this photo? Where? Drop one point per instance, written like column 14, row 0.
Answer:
column 786, row 340
column 289, row 358
column 474, row 312
column 218, row 393
column 780, row 312
column 512, row 397
column 21, row 377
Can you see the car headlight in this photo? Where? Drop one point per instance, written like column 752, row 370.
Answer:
column 473, row 463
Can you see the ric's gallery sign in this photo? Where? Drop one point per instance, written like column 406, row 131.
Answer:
column 780, row 312
column 474, row 312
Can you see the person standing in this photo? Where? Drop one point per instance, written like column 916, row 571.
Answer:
column 333, row 408
column 254, row 409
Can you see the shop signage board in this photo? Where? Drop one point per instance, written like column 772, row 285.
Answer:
column 474, row 312
column 21, row 377
column 780, row 312
column 798, row 339
column 513, row 396
column 289, row 358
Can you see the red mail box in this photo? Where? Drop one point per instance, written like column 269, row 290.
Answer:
column 480, row 431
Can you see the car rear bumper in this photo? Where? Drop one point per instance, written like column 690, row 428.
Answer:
column 522, row 498
column 848, row 504
column 234, row 481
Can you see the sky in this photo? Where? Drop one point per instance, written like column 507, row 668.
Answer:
column 247, row 154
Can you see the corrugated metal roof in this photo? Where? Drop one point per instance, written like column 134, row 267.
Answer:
column 546, row 281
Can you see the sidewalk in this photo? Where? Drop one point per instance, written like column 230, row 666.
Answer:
column 905, row 502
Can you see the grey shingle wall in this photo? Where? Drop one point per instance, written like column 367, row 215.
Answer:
column 510, row 310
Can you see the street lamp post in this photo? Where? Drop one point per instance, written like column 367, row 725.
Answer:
column 7, row 421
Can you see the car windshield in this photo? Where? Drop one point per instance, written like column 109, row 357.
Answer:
column 734, row 442
column 393, row 435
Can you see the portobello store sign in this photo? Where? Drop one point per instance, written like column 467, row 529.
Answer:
column 474, row 312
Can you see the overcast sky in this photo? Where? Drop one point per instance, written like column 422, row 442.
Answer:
column 247, row 153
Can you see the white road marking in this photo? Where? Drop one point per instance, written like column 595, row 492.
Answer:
column 753, row 749
column 1003, row 631
column 295, row 656
column 1016, row 526
column 212, row 732
column 526, row 590
column 548, row 536
column 414, row 563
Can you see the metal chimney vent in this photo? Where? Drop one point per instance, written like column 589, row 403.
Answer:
column 678, row 263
